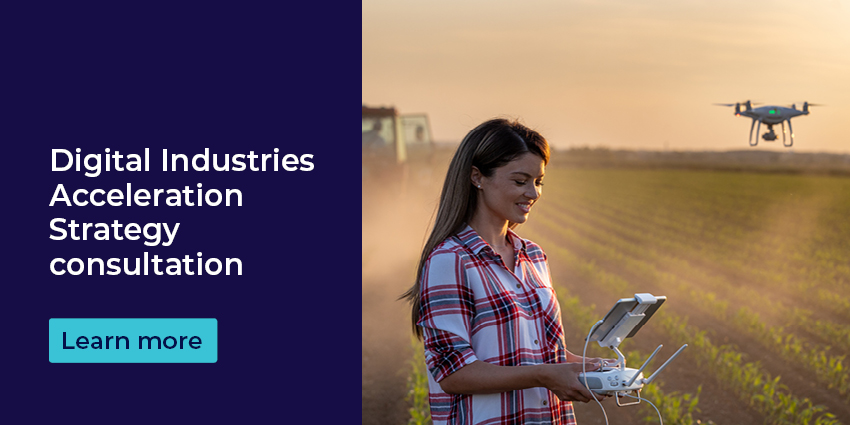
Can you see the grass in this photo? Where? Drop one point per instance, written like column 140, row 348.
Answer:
column 417, row 386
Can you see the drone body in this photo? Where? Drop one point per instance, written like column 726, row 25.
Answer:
column 770, row 116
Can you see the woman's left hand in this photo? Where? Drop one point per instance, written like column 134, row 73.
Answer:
column 600, row 362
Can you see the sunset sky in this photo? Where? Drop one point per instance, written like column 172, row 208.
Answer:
column 620, row 74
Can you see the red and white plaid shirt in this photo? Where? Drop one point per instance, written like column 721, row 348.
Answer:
column 474, row 308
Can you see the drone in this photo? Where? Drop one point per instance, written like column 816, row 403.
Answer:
column 770, row 116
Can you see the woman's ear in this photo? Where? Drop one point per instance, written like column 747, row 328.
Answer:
column 476, row 177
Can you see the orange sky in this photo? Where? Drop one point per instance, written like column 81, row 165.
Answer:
column 621, row 74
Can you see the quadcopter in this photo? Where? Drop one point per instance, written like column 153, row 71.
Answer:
column 770, row 116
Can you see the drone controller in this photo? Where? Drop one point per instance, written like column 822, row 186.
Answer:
column 623, row 321
column 609, row 381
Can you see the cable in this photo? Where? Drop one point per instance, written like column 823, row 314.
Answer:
column 584, row 369
column 661, row 421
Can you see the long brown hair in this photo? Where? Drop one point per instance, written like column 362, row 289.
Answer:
column 491, row 145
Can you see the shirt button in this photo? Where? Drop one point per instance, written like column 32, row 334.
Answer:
column 518, row 286
column 545, row 402
column 535, row 342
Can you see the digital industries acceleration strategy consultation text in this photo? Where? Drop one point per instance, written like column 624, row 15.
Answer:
column 153, row 234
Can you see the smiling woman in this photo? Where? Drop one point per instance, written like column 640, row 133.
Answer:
column 483, row 301
column 507, row 195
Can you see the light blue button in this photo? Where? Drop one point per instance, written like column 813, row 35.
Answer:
column 133, row 340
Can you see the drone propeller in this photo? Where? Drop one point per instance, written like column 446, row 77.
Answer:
column 747, row 104
column 743, row 102
column 794, row 105
column 806, row 106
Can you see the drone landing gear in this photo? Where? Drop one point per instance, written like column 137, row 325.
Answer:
column 757, row 132
column 771, row 136
column 791, row 131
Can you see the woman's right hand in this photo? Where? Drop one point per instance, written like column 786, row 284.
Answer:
column 562, row 380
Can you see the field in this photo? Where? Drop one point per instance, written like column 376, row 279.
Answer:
column 755, row 265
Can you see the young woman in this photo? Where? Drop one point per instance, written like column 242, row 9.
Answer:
column 483, row 302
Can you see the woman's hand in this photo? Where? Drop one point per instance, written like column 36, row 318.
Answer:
column 562, row 380
column 602, row 362
column 599, row 361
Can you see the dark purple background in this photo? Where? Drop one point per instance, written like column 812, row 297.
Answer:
column 230, row 78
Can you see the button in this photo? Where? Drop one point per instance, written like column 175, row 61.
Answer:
column 545, row 402
column 518, row 286
column 535, row 342
column 133, row 340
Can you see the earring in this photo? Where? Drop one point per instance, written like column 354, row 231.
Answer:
column 479, row 186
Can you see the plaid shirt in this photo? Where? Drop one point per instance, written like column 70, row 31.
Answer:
column 474, row 308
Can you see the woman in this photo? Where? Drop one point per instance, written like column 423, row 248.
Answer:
column 483, row 302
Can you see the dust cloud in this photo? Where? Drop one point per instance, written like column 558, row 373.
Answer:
column 398, row 206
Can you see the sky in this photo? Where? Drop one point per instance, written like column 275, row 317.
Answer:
column 617, row 74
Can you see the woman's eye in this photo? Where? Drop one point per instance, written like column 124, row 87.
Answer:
column 539, row 183
column 519, row 182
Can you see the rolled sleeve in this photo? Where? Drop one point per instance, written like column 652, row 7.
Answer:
column 445, row 353
column 446, row 311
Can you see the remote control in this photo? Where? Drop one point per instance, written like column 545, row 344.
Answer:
column 624, row 320
column 610, row 380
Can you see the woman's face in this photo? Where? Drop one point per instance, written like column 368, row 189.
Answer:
column 511, row 191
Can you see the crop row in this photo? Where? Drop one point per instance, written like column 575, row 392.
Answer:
column 828, row 369
column 835, row 333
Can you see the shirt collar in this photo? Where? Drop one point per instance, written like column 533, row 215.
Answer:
column 472, row 240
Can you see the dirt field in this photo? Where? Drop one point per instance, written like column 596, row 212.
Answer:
column 394, row 226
